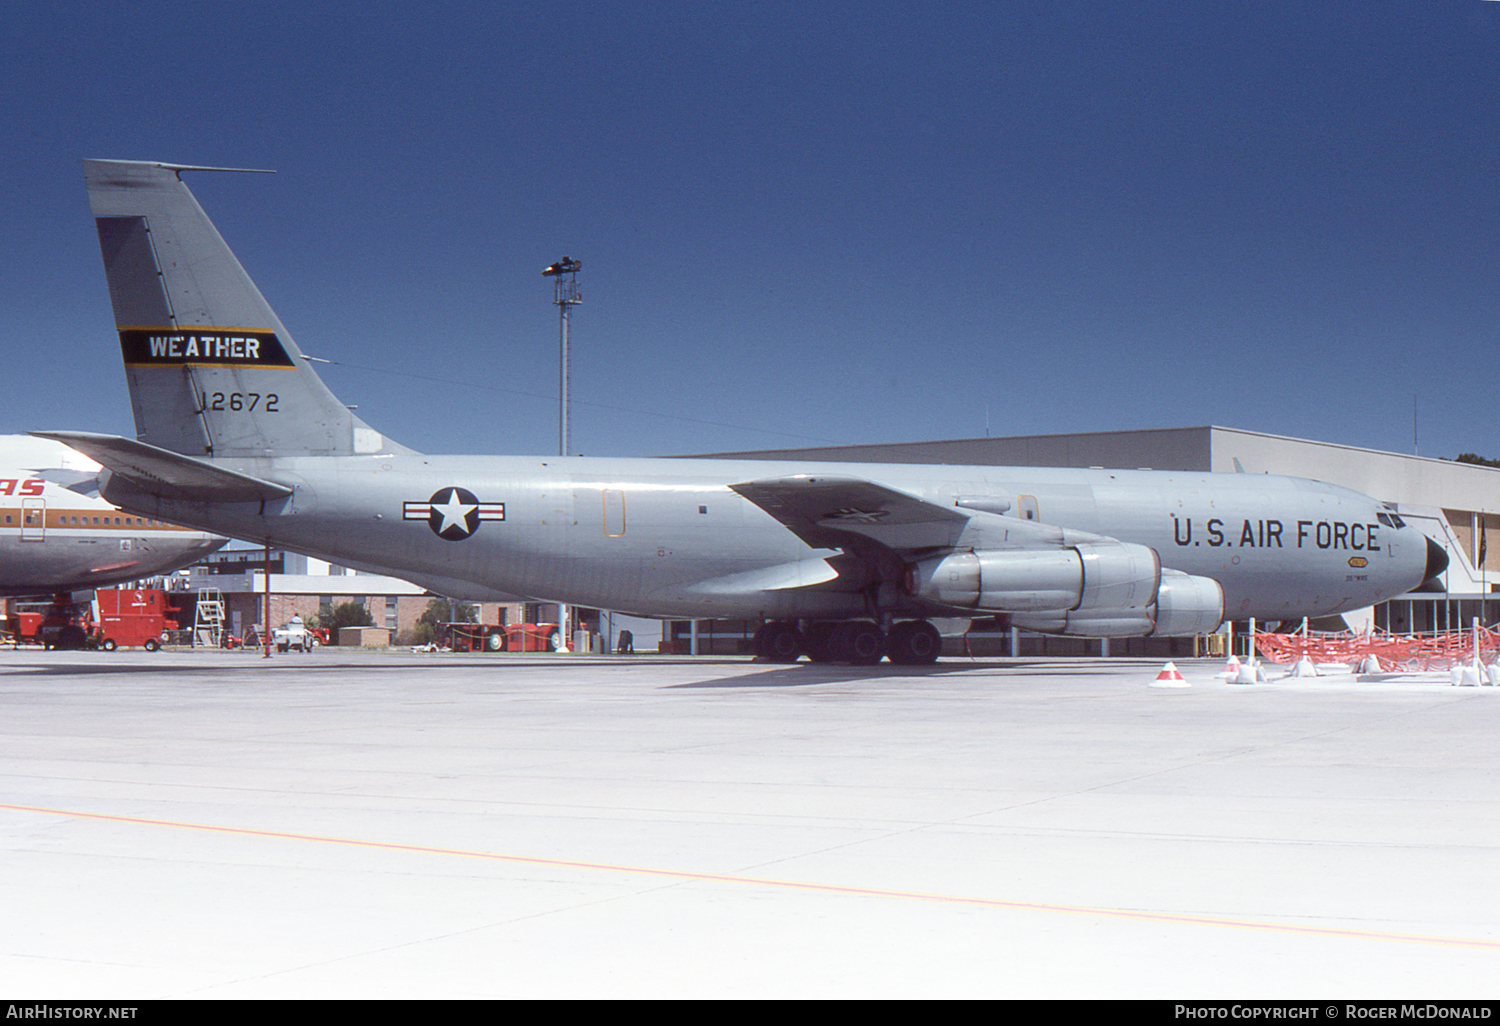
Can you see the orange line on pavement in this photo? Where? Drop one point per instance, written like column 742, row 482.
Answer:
column 732, row 878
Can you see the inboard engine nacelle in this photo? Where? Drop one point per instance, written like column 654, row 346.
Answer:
column 1093, row 589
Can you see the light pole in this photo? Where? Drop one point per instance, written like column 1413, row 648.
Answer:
column 565, row 294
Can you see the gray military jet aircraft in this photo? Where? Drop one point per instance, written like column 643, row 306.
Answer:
column 236, row 434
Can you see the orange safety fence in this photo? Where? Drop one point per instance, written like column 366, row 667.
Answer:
column 1435, row 651
column 474, row 636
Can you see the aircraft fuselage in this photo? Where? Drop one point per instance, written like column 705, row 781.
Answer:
column 53, row 539
column 669, row 538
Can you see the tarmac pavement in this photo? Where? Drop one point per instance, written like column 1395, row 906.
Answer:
column 382, row 825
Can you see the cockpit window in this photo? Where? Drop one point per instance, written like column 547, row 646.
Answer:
column 1390, row 520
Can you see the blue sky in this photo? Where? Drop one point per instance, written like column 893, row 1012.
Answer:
column 799, row 223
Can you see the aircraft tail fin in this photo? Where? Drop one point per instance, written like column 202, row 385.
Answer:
column 212, row 370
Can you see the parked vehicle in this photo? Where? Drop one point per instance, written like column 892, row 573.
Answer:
column 141, row 617
column 296, row 635
column 134, row 617
column 532, row 637
column 24, row 623
column 66, row 625
column 512, row 637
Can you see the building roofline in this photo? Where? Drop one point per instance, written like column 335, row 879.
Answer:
column 1211, row 428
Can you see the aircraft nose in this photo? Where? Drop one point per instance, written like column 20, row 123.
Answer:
column 1437, row 560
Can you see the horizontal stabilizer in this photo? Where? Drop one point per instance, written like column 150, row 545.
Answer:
column 167, row 474
column 183, row 167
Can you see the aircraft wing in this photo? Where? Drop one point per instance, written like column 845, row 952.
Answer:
column 855, row 514
column 844, row 512
column 162, row 473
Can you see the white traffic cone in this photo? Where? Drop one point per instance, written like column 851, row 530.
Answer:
column 1169, row 677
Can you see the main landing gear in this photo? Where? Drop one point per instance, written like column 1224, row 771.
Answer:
column 860, row 642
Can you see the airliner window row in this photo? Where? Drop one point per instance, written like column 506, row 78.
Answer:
column 80, row 520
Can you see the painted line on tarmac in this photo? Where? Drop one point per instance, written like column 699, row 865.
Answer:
column 793, row 885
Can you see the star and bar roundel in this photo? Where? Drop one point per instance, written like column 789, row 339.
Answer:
column 453, row 513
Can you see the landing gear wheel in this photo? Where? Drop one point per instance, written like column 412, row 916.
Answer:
column 758, row 641
column 815, row 640
column 914, row 643
column 779, row 642
column 859, row 642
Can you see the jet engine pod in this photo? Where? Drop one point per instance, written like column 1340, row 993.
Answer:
column 1187, row 605
column 1010, row 580
column 1184, row 605
column 1113, row 579
column 1120, row 579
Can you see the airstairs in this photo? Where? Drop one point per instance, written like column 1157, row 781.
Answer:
column 208, row 621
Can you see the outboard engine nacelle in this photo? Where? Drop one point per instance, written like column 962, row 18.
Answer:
column 1187, row 605
column 1093, row 589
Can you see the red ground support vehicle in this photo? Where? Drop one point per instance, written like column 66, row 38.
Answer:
column 65, row 624
column 44, row 623
column 135, row 616
column 471, row 637
column 125, row 616
column 23, row 626
column 532, row 637
column 512, row 637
